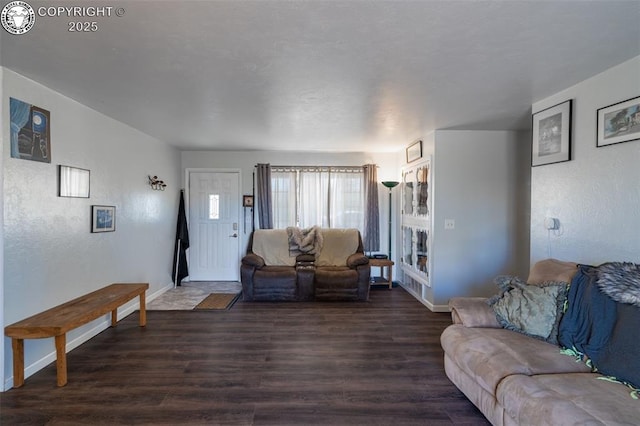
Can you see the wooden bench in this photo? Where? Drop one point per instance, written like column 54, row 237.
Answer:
column 57, row 321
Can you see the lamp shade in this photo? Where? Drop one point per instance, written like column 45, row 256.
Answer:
column 390, row 183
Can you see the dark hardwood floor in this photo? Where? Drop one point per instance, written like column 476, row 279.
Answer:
column 359, row 363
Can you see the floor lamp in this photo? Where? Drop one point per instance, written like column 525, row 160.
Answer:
column 390, row 185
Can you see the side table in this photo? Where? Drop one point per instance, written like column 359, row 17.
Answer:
column 382, row 263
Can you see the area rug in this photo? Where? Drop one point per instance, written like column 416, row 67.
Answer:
column 189, row 295
column 217, row 301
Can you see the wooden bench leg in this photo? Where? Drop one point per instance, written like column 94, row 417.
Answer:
column 61, row 359
column 18, row 362
column 143, row 310
column 114, row 317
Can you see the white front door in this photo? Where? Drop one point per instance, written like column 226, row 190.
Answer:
column 214, row 220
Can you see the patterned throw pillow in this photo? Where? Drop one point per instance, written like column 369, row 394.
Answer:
column 534, row 310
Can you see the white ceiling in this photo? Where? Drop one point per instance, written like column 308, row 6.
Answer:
column 323, row 75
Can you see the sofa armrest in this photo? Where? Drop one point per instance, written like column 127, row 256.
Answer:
column 357, row 259
column 473, row 312
column 254, row 260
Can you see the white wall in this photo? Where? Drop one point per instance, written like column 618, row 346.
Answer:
column 50, row 254
column 2, row 323
column 596, row 195
column 246, row 160
column 480, row 180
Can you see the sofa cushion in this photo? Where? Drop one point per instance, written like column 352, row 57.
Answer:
column 336, row 276
column 485, row 401
column 491, row 354
column 552, row 270
column 567, row 399
column 275, row 283
column 337, row 246
column 534, row 310
column 336, row 283
column 273, row 246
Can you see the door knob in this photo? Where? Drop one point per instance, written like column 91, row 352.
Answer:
column 234, row 235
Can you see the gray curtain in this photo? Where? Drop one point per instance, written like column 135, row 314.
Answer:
column 371, row 211
column 263, row 187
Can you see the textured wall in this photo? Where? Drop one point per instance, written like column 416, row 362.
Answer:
column 50, row 254
column 596, row 196
column 2, row 118
column 477, row 182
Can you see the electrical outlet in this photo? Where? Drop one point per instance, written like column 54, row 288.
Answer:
column 449, row 224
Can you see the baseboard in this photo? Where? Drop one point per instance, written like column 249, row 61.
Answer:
column 431, row 306
column 435, row 308
column 33, row 368
column 158, row 293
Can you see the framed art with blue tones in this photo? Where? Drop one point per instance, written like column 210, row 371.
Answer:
column 30, row 131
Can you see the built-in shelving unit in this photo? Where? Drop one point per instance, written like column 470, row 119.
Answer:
column 415, row 259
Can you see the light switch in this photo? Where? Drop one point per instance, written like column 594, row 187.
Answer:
column 449, row 224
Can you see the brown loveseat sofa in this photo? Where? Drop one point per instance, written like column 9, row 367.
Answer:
column 339, row 270
column 515, row 379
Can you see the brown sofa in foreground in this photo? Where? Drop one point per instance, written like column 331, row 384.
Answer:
column 519, row 380
column 339, row 271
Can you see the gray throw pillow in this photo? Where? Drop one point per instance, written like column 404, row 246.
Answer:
column 534, row 310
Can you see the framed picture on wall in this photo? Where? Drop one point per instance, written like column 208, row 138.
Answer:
column 619, row 123
column 414, row 151
column 30, row 131
column 247, row 200
column 103, row 218
column 551, row 141
column 73, row 182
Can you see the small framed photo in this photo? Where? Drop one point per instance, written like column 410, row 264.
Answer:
column 551, row 141
column 103, row 218
column 414, row 151
column 73, row 182
column 619, row 123
column 247, row 200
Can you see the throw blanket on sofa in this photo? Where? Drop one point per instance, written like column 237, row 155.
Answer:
column 604, row 330
column 304, row 241
column 620, row 281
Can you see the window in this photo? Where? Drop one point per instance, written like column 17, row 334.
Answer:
column 214, row 206
column 331, row 197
